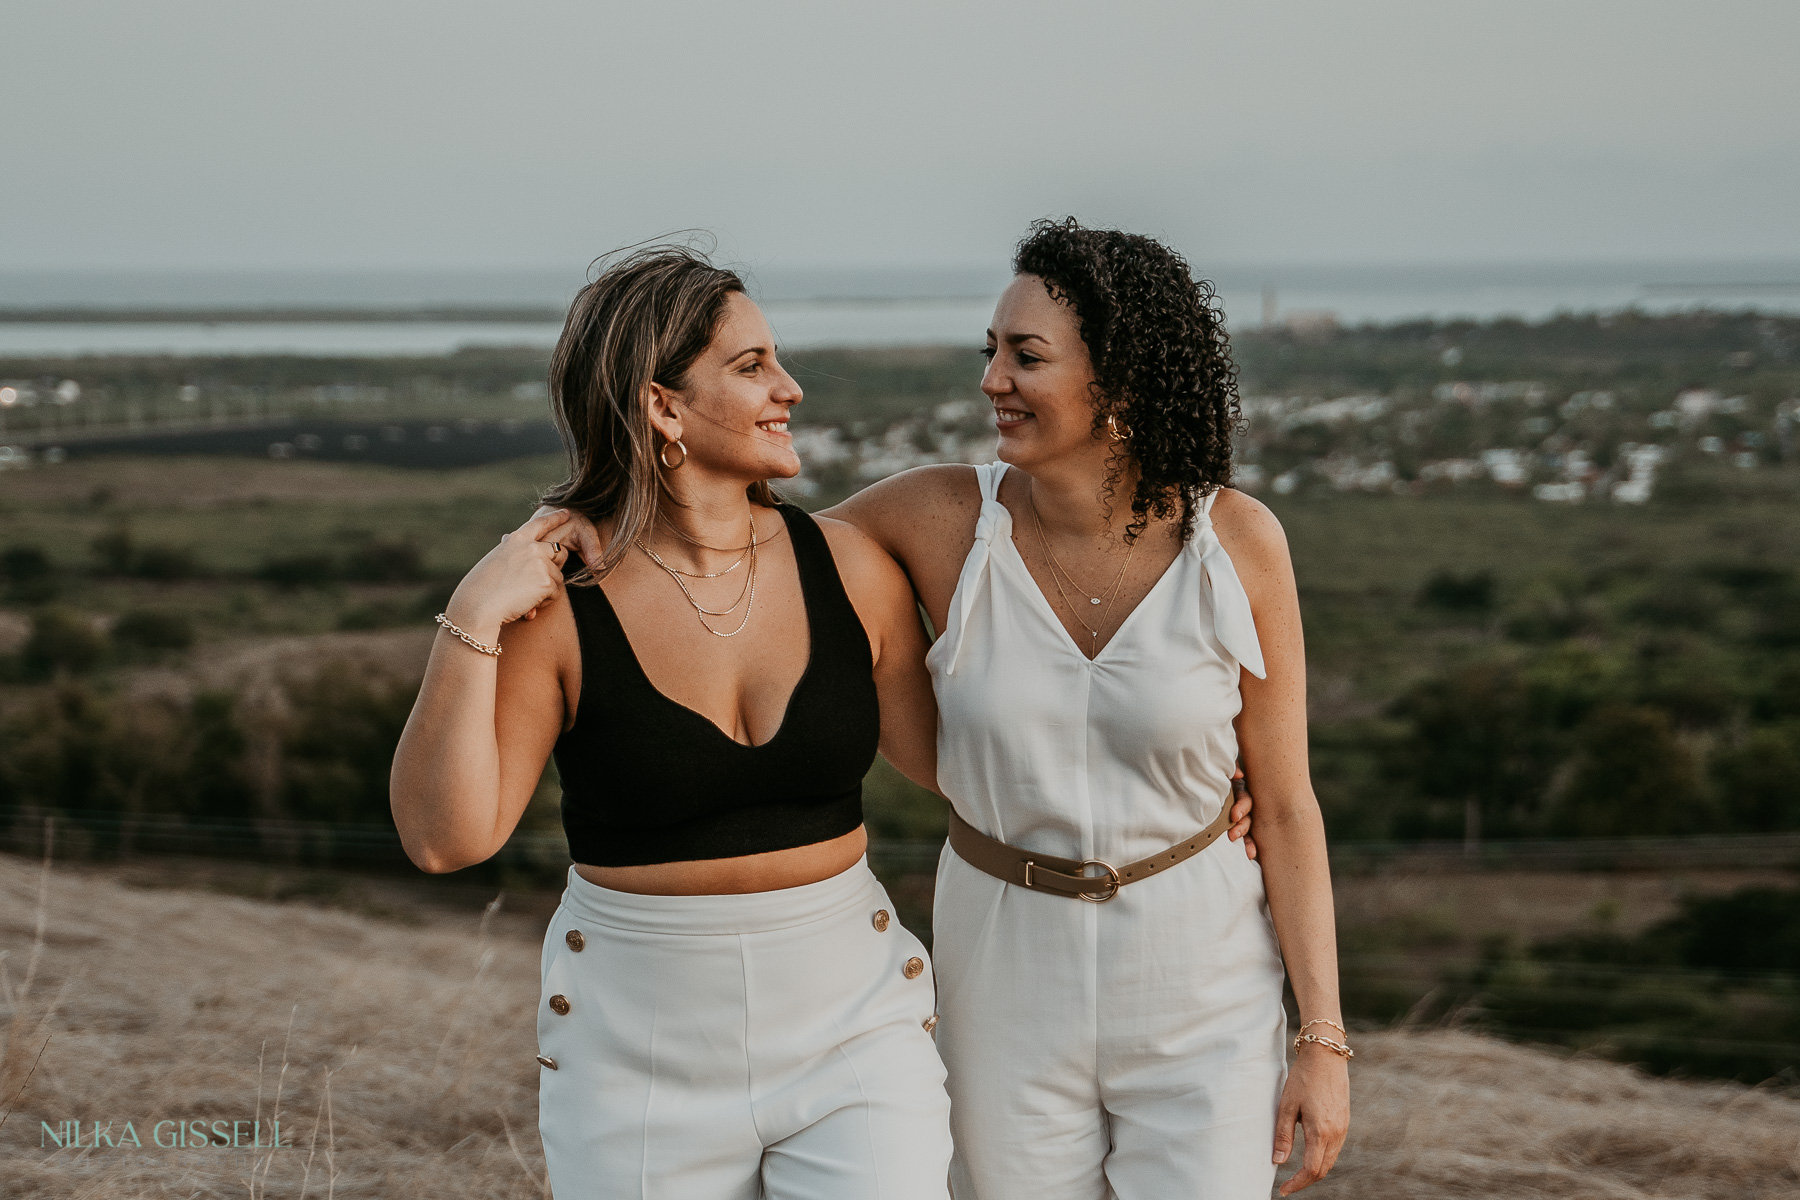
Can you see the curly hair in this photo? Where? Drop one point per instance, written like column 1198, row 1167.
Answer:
column 1162, row 363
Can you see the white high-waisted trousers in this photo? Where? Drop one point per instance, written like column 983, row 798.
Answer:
column 732, row 1047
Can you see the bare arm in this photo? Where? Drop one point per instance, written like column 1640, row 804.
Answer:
column 884, row 601
column 1289, row 828
column 925, row 519
column 482, row 726
column 896, row 511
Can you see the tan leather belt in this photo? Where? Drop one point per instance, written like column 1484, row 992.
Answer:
column 1067, row 876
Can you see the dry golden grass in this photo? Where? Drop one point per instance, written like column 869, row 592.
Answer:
column 174, row 1004
column 1440, row 1114
column 1528, row 905
column 163, row 1002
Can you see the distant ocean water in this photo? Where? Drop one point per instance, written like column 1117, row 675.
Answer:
column 847, row 307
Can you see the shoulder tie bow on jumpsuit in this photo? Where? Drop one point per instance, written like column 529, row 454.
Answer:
column 1131, row 1049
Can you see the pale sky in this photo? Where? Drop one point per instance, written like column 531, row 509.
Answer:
column 377, row 133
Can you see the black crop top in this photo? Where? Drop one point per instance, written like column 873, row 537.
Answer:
column 648, row 780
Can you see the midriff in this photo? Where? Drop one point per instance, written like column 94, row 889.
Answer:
column 769, row 872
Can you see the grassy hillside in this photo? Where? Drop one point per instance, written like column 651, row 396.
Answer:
column 394, row 1040
column 216, row 640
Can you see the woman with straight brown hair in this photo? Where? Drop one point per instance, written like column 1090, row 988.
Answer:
column 728, row 1007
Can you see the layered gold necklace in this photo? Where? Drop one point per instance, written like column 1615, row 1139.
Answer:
column 746, row 595
column 741, row 551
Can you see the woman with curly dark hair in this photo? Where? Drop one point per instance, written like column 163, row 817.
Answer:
column 1117, row 627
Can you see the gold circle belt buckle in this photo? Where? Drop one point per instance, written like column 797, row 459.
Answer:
column 1111, row 875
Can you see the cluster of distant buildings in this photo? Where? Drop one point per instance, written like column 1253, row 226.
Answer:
column 1552, row 468
column 1575, row 475
column 1543, row 463
column 1557, row 453
column 28, row 394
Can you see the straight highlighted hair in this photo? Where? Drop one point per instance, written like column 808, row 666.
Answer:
column 645, row 319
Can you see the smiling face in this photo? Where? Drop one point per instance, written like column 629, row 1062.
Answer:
column 1039, row 378
column 732, row 409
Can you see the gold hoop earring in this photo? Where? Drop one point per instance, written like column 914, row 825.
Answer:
column 663, row 454
column 1117, row 432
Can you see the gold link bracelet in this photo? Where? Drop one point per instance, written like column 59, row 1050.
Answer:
column 1337, row 1048
column 444, row 620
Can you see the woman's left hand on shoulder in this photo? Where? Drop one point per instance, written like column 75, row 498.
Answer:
column 1317, row 1096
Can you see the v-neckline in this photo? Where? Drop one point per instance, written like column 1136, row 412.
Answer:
column 1037, row 590
column 786, row 710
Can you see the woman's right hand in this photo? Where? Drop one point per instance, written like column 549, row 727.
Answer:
column 1241, row 804
column 513, row 580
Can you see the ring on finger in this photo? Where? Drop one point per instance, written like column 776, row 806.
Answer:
column 556, row 547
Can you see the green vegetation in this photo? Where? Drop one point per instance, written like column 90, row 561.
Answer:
column 1482, row 665
column 1637, row 353
column 1565, row 672
column 1714, row 989
column 145, row 392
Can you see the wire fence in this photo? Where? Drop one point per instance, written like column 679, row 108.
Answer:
column 1584, row 975
column 110, row 834
column 1640, row 1012
column 107, row 835
column 1760, row 850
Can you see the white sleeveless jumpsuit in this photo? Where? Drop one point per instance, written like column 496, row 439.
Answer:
column 1132, row 1049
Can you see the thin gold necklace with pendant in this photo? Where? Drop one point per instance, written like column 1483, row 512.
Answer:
column 1056, row 569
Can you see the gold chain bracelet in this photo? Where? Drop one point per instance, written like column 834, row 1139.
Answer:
column 1326, row 1021
column 1337, row 1048
column 444, row 620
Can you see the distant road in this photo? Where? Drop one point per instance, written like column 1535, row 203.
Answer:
column 433, row 444
column 1747, row 287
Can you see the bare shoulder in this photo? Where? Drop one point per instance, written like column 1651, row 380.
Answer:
column 873, row 581
column 924, row 517
column 860, row 558
column 548, row 637
column 920, row 491
column 845, row 538
column 540, row 669
column 1250, row 533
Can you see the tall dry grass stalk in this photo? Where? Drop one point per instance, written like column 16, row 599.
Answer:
column 407, row 1065
column 1442, row 1113
column 257, row 1181
column 484, row 959
column 22, row 1032
column 406, row 1047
